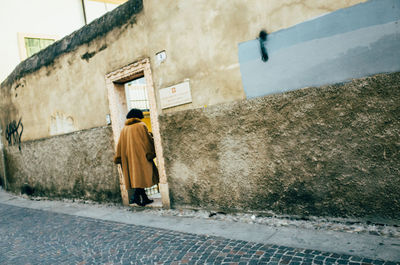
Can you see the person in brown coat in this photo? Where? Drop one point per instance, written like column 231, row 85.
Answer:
column 135, row 152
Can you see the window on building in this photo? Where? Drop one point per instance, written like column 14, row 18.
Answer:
column 29, row 44
column 34, row 45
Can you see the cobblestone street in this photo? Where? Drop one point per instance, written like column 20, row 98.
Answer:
column 29, row 236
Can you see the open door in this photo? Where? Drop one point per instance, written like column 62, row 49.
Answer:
column 132, row 87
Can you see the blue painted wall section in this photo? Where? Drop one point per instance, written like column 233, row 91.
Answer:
column 358, row 41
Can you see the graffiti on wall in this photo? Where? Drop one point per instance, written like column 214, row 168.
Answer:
column 13, row 133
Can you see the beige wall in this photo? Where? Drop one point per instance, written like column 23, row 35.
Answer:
column 200, row 39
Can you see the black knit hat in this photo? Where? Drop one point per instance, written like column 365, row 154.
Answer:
column 135, row 113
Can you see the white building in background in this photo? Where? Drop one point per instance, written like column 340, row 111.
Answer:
column 27, row 26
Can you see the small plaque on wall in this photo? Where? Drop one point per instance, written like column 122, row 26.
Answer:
column 175, row 95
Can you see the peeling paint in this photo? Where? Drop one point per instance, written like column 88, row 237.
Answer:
column 61, row 123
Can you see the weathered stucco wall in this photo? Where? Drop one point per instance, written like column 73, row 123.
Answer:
column 62, row 88
column 328, row 151
column 76, row 165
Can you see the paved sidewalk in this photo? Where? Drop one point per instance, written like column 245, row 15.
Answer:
column 73, row 233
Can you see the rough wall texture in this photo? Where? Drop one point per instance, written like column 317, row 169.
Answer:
column 76, row 165
column 328, row 151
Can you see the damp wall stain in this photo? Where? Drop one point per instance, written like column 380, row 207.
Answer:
column 327, row 151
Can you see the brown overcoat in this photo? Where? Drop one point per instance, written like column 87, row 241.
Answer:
column 135, row 152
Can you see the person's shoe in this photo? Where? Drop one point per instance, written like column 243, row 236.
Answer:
column 145, row 199
column 136, row 200
column 148, row 201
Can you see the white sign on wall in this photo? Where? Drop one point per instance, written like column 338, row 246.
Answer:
column 175, row 95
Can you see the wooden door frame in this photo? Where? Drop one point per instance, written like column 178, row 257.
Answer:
column 117, row 103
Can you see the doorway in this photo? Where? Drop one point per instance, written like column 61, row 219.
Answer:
column 137, row 97
column 132, row 86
